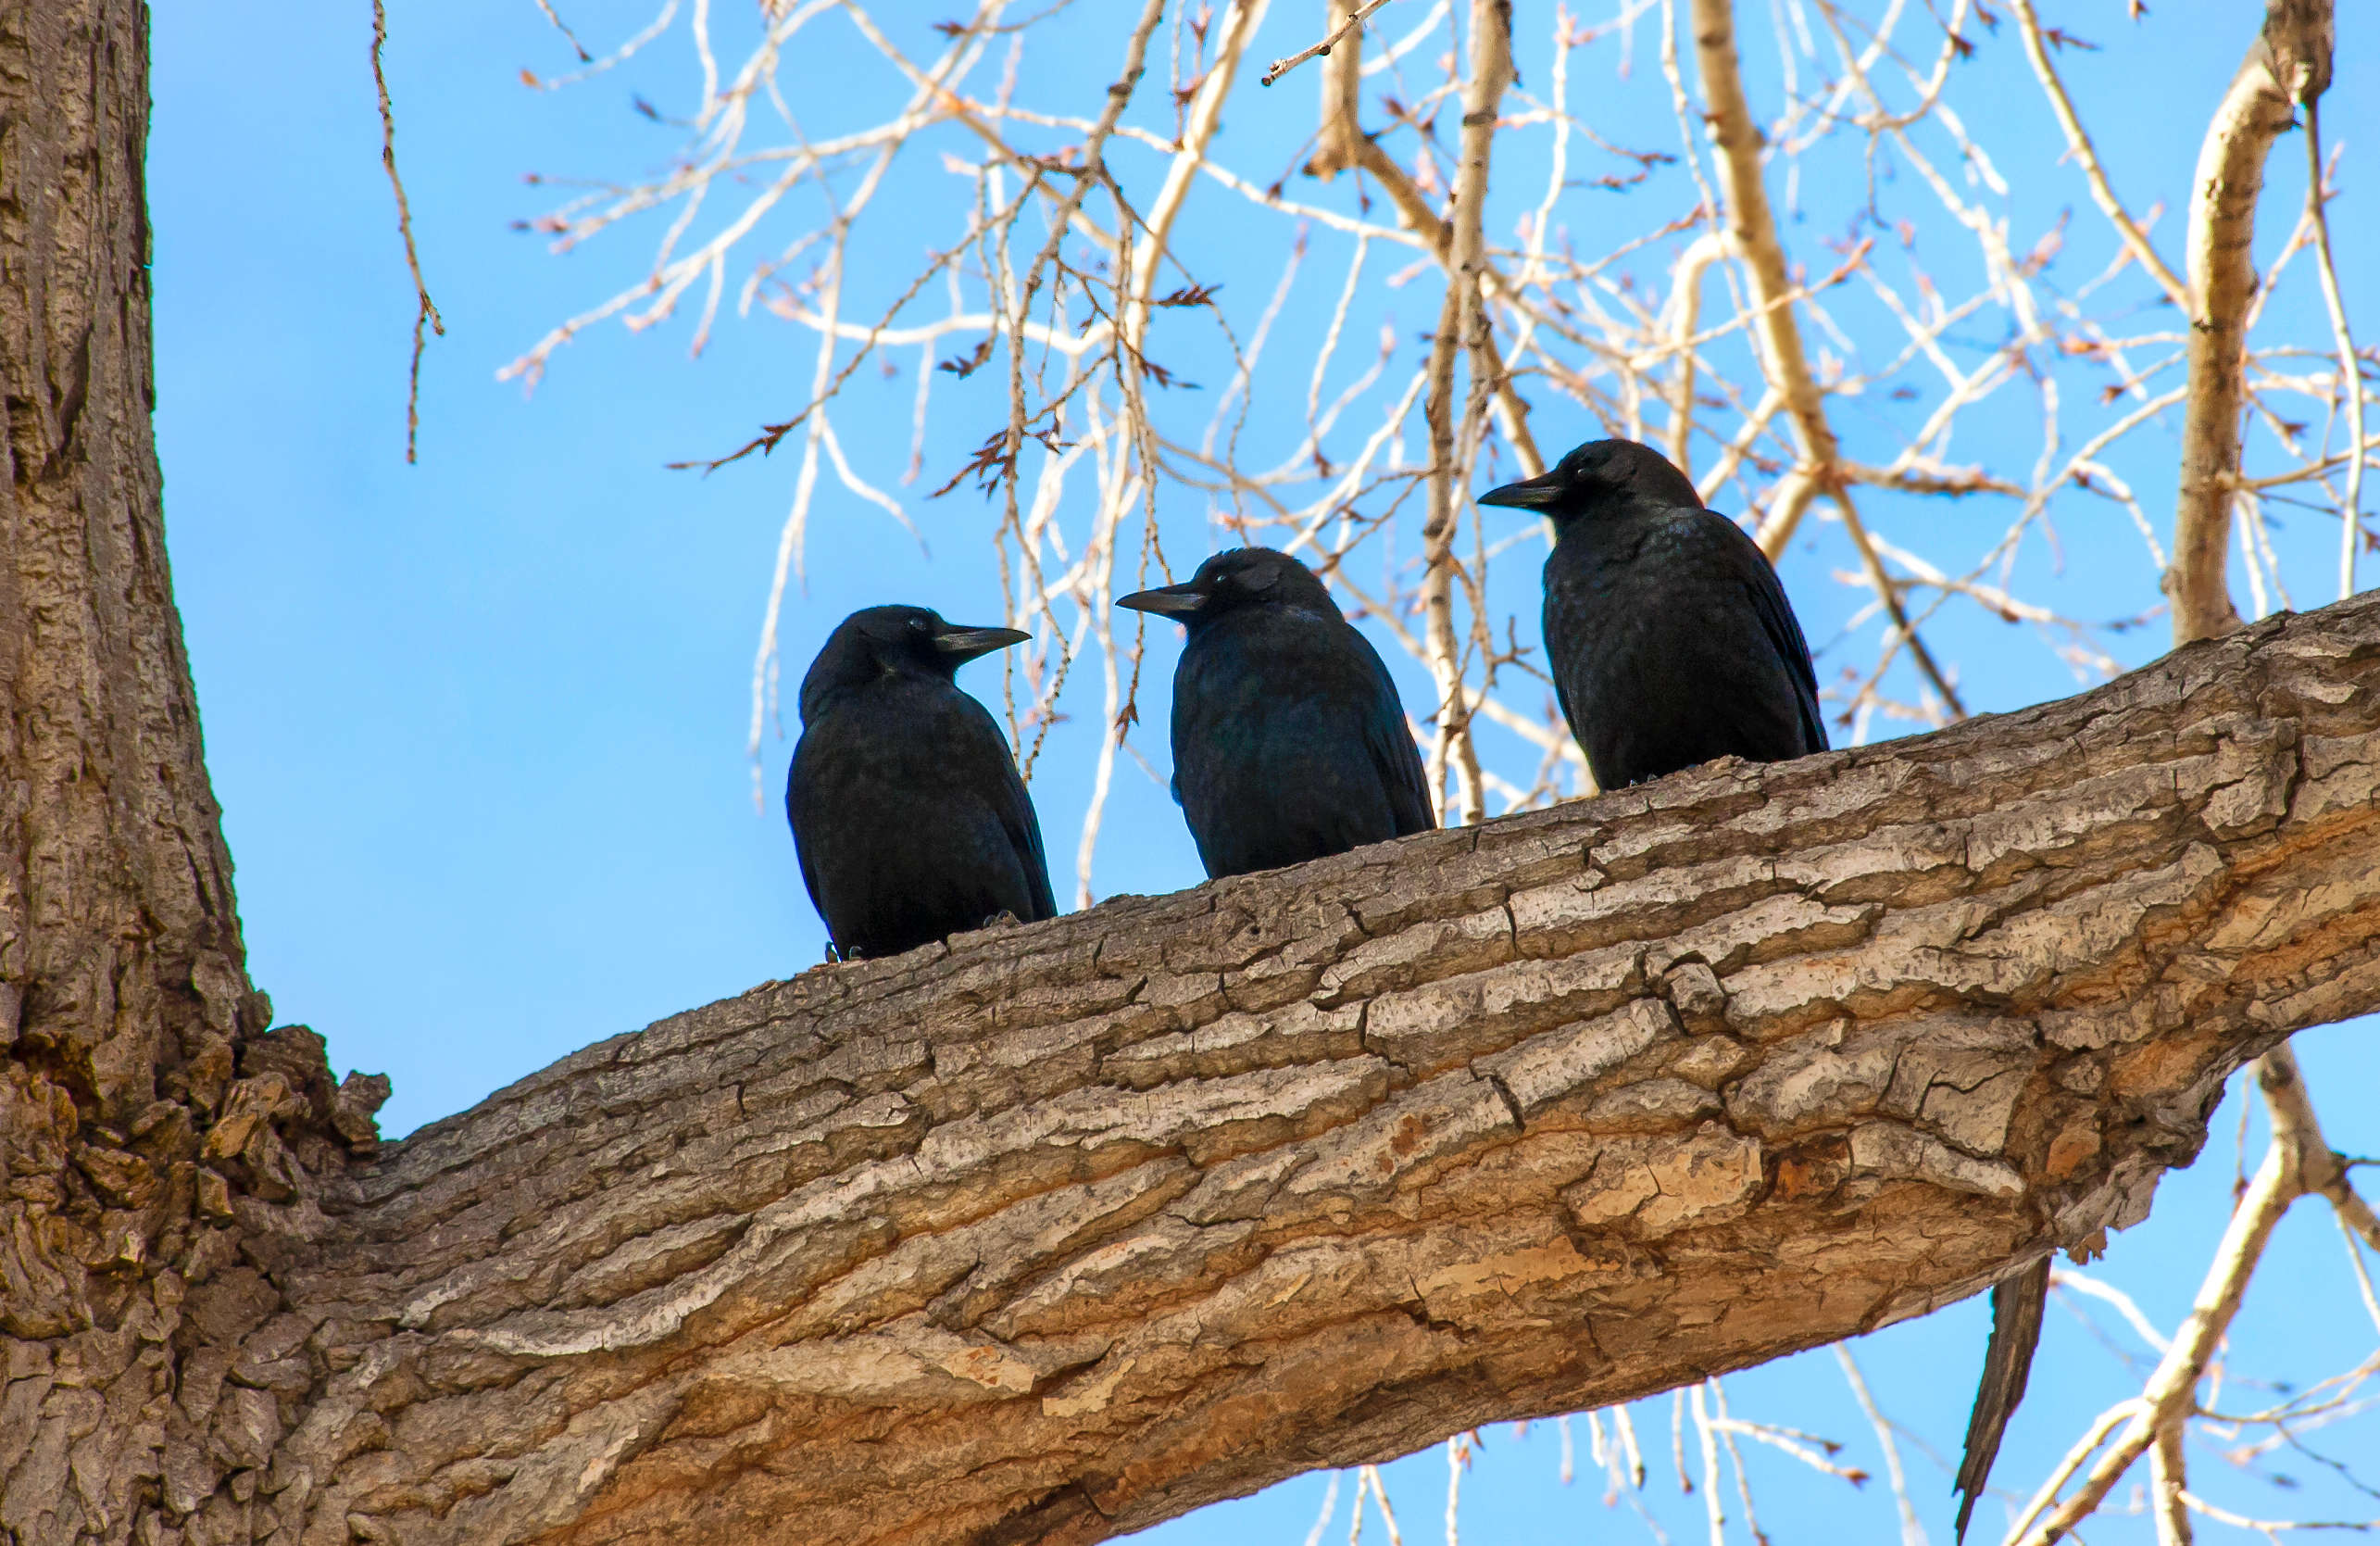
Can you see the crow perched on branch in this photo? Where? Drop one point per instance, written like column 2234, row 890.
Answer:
column 1671, row 642
column 1289, row 742
column 908, row 817
column 1669, row 639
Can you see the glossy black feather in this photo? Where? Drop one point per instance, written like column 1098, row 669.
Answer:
column 1669, row 638
column 2017, row 1306
column 1289, row 741
column 908, row 817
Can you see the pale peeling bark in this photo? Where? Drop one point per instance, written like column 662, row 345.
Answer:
column 1336, row 146
column 1071, row 1228
column 2289, row 62
column 1462, row 329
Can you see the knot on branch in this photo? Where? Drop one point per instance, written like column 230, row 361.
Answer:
column 2297, row 42
column 283, row 1139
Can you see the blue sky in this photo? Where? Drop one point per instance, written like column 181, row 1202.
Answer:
column 478, row 724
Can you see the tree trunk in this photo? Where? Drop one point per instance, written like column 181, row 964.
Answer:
column 1071, row 1228
column 123, row 992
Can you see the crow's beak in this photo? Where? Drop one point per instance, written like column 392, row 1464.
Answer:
column 1530, row 494
column 1169, row 601
column 963, row 644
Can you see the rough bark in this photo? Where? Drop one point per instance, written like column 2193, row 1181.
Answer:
column 1069, row 1228
column 123, row 992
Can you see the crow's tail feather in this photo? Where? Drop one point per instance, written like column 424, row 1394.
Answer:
column 2017, row 1304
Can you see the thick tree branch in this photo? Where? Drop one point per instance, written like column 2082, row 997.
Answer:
column 1069, row 1228
column 2289, row 62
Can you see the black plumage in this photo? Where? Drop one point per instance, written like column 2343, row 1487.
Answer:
column 908, row 817
column 2017, row 1306
column 1289, row 742
column 1668, row 636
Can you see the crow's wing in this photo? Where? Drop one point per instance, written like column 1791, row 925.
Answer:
column 794, row 821
column 1393, row 753
column 1006, row 791
column 1024, row 832
column 1782, row 628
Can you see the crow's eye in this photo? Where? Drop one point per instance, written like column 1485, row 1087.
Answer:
column 917, row 625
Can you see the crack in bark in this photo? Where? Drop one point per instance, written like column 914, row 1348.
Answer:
column 1126, row 1197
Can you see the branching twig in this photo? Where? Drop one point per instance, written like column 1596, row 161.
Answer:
column 1281, row 67
column 425, row 310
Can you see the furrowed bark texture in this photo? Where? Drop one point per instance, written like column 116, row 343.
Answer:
column 133, row 1156
column 123, row 990
column 120, row 953
column 1071, row 1227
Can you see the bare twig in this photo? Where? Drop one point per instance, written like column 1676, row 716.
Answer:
column 564, row 27
column 1353, row 22
column 1912, row 1533
column 2351, row 371
column 2078, row 144
column 425, row 311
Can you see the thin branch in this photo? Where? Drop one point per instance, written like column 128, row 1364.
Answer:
column 1281, row 67
column 2350, row 371
column 1461, row 313
column 425, row 312
column 1912, row 1533
column 564, row 27
column 2078, row 144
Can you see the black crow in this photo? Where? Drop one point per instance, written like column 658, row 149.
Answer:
column 908, row 817
column 1289, row 742
column 1666, row 635
column 1672, row 643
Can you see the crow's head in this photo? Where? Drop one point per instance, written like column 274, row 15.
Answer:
column 1231, row 581
column 1602, row 475
column 879, row 642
